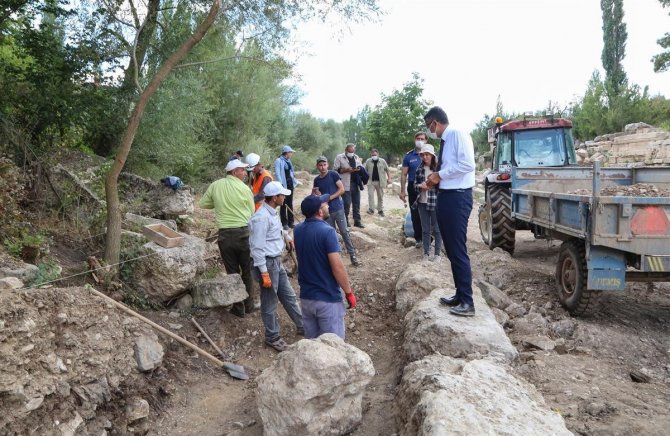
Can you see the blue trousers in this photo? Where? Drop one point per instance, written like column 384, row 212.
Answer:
column 321, row 317
column 453, row 212
column 338, row 218
column 280, row 292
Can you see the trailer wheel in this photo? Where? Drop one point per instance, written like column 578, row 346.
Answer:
column 571, row 278
column 503, row 230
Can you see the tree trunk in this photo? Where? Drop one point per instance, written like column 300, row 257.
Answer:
column 113, row 239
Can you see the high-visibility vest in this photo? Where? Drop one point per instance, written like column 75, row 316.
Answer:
column 258, row 182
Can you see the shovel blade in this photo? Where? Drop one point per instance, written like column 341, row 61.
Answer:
column 236, row 371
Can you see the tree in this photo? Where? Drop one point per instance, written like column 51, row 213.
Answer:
column 614, row 47
column 662, row 60
column 392, row 124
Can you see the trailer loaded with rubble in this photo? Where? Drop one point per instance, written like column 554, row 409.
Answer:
column 615, row 224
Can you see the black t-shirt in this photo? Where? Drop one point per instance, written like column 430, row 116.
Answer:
column 375, row 171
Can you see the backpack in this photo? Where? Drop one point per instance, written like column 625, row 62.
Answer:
column 173, row 182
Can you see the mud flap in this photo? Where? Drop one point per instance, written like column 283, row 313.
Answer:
column 607, row 269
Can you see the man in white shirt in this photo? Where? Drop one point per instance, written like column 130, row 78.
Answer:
column 455, row 177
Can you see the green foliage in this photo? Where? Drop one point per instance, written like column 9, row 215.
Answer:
column 614, row 47
column 392, row 124
column 47, row 271
column 11, row 194
column 480, row 132
column 139, row 301
column 662, row 60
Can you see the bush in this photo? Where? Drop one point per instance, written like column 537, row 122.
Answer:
column 11, row 195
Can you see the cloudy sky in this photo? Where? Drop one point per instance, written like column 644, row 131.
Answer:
column 470, row 51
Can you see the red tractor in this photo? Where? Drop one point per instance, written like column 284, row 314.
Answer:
column 522, row 143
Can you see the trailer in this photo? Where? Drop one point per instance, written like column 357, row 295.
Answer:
column 608, row 239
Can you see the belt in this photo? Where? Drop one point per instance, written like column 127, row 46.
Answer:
column 233, row 228
column 456, row 190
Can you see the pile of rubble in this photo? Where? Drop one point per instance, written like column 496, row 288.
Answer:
column 636, row 190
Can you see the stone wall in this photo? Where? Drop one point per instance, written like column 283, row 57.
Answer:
column 638, row 144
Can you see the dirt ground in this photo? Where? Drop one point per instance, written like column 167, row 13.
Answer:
column 587, row 379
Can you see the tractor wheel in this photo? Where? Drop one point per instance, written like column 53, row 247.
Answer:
column 485, row 223
column 571, row 278
column 502, row 224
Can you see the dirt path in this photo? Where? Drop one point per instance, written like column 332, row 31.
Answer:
column 588, row 381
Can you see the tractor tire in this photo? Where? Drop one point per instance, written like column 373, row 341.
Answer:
column 503, row 230
column 572, row 277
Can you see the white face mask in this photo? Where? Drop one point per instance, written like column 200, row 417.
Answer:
column 375, row 157
column 418, row 144
column 350, row 154
column 431, row 135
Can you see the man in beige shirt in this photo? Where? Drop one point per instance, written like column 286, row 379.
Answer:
column 378, row 170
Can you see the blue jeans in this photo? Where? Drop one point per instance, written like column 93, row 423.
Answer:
column 453, row 212
column 281, row 291
column 428, row 225
column 338, row 218
column 321, row 317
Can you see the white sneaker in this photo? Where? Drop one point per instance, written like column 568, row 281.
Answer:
column 426, row 258
column 437, row 258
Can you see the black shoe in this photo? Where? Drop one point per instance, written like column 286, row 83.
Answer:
column 381, row 213
column 463, row 309
column 300, row 332
column 371, row 212
column 291, row 226
column 238, row 310
column 359, row 224
column 450, row 301
column 284, row 227
column 249, row 308
column 355, row 261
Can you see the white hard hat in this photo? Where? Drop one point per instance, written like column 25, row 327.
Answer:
column 253, row 159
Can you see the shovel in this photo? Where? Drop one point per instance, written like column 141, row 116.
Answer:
column 236, row 371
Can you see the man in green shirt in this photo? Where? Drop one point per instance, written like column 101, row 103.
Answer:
column 233, row 204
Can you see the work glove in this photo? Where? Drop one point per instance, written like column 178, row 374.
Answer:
column 351, row 299
column 290, row 246
column 265, row 280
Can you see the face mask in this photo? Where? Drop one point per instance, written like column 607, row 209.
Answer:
column 375, row 157
column 431, row 135
column 350, row 155
column 418, row 144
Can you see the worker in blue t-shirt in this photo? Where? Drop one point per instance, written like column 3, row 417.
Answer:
column 322, row 276
column 329, row 182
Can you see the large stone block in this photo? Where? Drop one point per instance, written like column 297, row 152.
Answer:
column 430, row 328
column 223, row 290
column 314, row 388
column 417, row 281
column 361, row 241
column 440, row 395
column 168, row 272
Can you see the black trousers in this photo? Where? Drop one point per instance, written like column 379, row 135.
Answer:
column 236, row 255
column 352, row 201
column 416, row 218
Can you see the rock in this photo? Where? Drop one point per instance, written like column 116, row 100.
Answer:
column 430, row 328
column 639, row 376
column 10, row 283
column 184, row 303
column 501, row 316
column 538, row 342
column 493, row 296
column 223, row 290
column 303, row 175
column 168, row 272
column 314, row 388
column 440, row 395
column 70, row 428
column 515, row 310
column 564, row 328
column 26, row 272
column 148, row 352
column 97, row 393
column 596, row 409
column 146, row 197
column 409, row 242
column 34, row 403
column 531, row 324
column 137, row 409
column 634, row 127
column 361, row 241
column 417, row 281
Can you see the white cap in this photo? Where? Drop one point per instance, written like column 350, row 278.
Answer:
column 235, row 163
column 275, row 188
column 253, row 159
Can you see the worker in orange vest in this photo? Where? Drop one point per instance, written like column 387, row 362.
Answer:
column 258, row 178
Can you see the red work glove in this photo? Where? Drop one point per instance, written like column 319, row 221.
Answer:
column 290, row 246
column 351, row 299
column 265, row 280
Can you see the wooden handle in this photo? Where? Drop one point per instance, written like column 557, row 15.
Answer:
column 204, row 333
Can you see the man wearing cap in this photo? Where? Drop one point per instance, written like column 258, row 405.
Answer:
column 410, row 163
column 233, row 204
column 329, row 182
column 285, row 174
column 455, row 177
column 348, row 165
column 259, row 177
column 267, row 245
column 321, row 276
column 380, row 176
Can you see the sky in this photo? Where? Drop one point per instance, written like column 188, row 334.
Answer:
column 469, row 52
